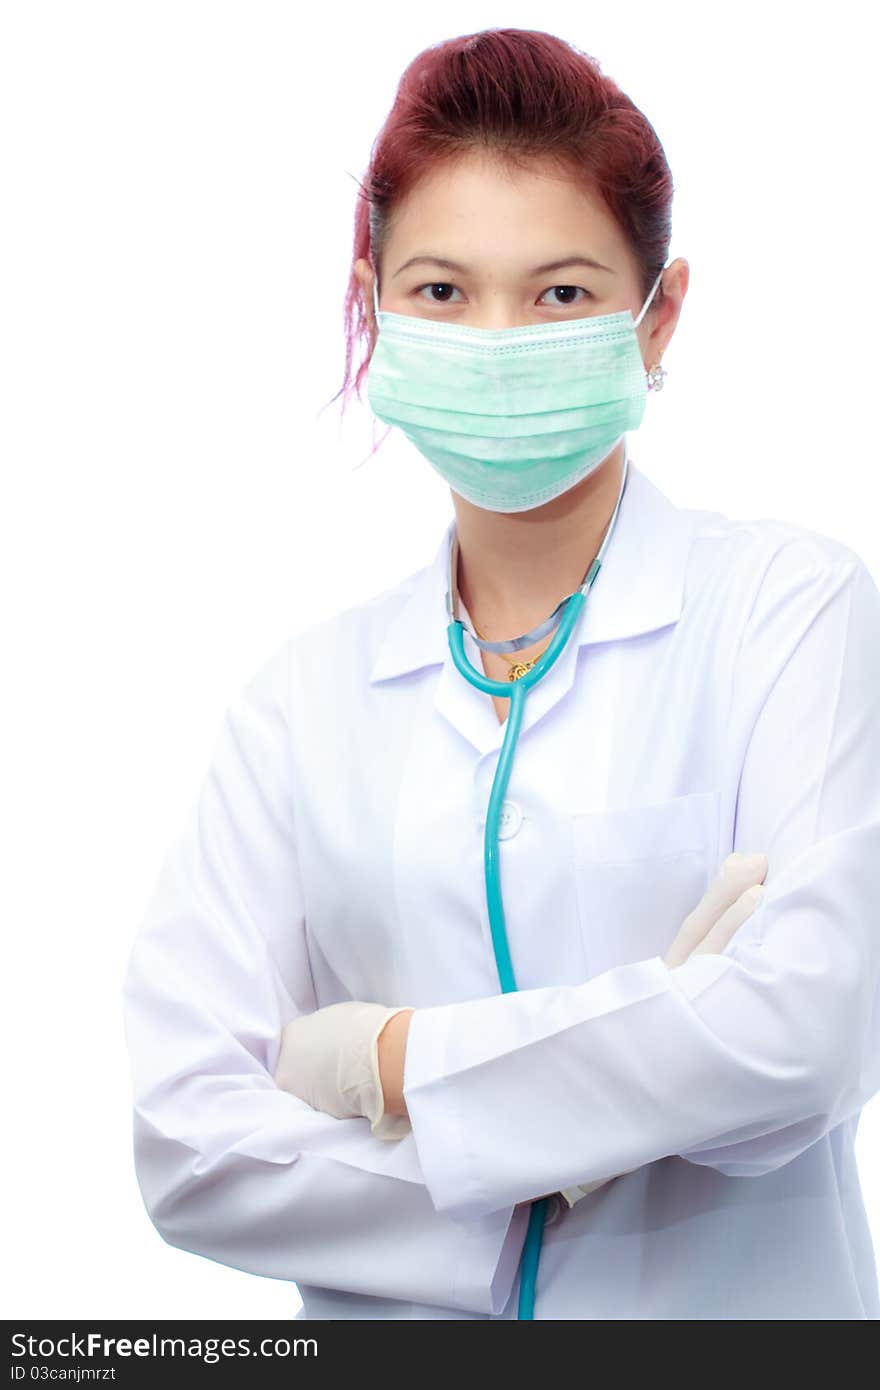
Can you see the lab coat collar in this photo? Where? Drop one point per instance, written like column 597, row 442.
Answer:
column 639, row 588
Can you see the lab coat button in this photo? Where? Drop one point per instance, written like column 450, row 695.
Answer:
column 510, row 819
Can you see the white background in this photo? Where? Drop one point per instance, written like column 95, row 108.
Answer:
column 178, row 190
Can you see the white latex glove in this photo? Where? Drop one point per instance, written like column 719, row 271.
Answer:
column 731, row 897
column 330, row 1059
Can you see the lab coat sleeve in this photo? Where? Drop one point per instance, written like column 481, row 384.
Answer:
column 739, row 1060
column 230, row 1166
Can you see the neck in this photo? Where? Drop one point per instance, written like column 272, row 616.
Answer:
column 515, row 567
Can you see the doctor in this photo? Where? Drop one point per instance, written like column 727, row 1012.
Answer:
column 329, row 1086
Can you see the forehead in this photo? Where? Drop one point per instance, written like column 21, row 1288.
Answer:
column 474, row 204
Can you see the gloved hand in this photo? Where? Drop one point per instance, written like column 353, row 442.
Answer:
column 330, row 1059
column 730, row 899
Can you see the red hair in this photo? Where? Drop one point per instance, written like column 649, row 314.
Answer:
column 521, row 94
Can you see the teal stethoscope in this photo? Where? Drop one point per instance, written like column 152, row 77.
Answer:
column 565, row 615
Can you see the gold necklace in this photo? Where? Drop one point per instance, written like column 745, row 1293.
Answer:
column 517, row 668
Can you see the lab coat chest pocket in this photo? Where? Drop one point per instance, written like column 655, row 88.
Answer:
column 639, row 871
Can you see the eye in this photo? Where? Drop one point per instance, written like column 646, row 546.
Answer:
column 567, row 288
column 436, row 285
column 445, row 285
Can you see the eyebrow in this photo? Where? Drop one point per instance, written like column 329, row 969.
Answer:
column 538, row 270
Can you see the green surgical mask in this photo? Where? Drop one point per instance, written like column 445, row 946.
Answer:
column 510, row 417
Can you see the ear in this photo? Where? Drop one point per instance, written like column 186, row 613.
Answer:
column 366, row 276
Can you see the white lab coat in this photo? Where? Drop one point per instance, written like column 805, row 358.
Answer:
column 721, row 692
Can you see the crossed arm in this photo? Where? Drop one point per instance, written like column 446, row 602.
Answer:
column 738, row 1061
column 392, row 1055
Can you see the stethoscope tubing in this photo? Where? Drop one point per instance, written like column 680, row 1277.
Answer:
column 516, row 692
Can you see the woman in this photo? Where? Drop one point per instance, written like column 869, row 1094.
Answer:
column 330, row 1086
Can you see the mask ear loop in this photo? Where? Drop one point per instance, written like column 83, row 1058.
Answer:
column 654, row 375
column 644, row 308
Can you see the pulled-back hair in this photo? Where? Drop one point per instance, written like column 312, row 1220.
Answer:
column 520, row 95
